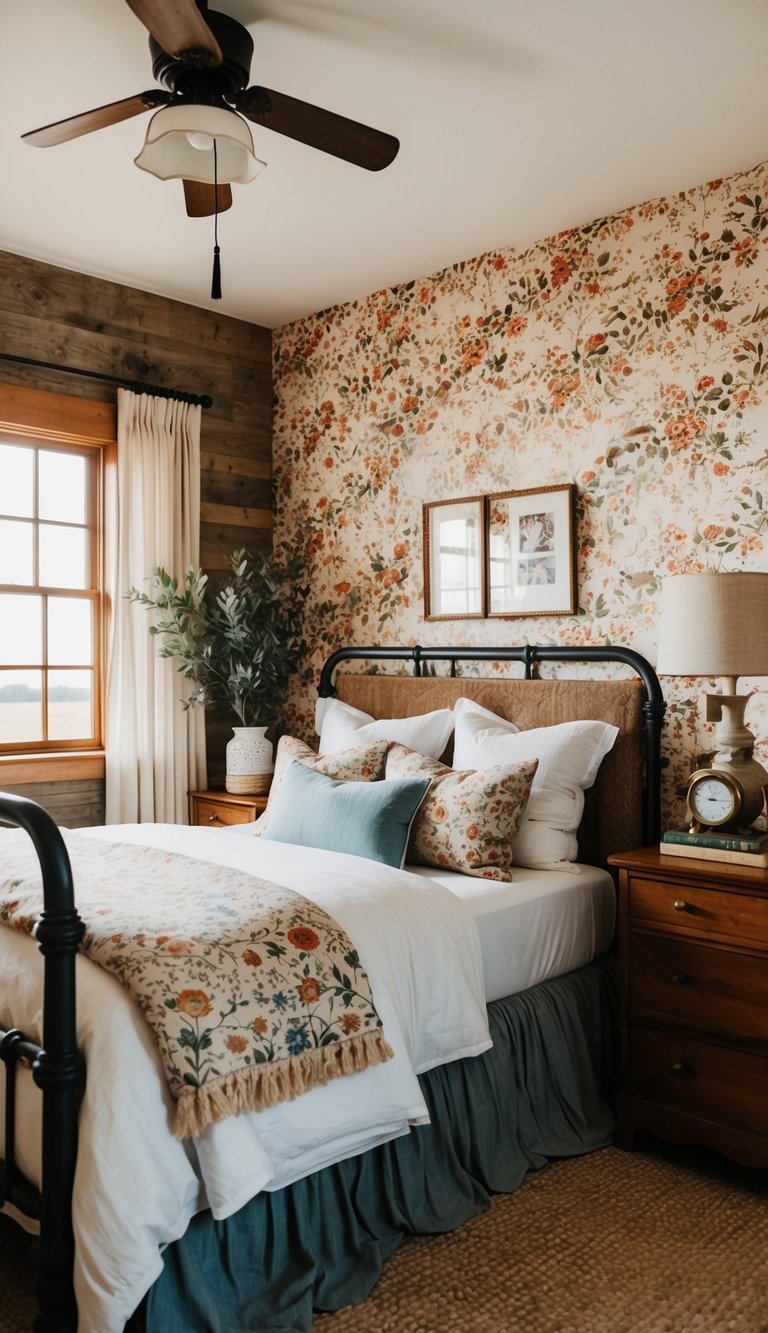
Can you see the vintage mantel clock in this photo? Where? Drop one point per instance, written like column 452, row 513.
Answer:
column 718, row 799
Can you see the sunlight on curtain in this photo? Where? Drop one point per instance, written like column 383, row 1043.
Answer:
column 155, row 751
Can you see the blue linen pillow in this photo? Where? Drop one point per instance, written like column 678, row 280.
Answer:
column 370, row 819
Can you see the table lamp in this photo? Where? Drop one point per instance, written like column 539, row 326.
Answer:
column 717, row 625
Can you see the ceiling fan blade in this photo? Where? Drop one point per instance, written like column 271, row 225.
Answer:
column 97, row 119
column 330, row 133
column 180, row 28
column 203, row 200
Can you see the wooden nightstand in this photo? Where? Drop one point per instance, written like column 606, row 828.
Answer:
column 693, row 958
column 220, row 808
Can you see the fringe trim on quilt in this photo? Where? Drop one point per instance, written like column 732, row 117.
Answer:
column 256, row 1087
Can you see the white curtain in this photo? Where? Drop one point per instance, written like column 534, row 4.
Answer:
column 155, row 752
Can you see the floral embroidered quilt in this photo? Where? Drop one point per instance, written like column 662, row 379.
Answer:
column 254, row 993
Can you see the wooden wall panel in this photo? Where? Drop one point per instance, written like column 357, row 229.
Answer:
column 62, row 296
column 218, row 540
column 53, row 314
column 245, row 482
column 74, row 804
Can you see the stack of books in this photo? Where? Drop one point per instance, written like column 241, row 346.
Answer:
column 748, row 847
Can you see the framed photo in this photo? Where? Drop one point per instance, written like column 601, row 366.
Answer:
column 530, row 562
column 454, row 552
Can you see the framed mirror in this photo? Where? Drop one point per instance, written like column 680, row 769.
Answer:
column 454, row 547
column 530, row 552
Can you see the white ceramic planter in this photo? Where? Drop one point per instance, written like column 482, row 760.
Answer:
column 249, row 761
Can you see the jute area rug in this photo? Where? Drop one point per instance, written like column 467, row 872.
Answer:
column 657, row 1241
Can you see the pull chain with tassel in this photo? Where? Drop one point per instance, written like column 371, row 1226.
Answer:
column 216, row 276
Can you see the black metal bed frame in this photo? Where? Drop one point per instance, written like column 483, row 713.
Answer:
column 58, row 1069
column 58, row 1066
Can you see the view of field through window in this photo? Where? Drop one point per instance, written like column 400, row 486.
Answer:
column 46, row 595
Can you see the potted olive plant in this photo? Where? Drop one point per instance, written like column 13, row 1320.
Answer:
column 237, row 645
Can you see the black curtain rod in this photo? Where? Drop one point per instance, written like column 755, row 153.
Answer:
column 178, row 395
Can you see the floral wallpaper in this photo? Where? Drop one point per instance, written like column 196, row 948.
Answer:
column 628, row 356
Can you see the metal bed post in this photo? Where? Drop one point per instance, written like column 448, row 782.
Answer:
column 530, row 655
column 58, row 1070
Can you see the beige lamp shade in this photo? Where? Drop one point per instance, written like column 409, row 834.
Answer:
column 714, row 625
column 179, row 146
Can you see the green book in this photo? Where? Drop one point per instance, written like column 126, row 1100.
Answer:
column 754, row 840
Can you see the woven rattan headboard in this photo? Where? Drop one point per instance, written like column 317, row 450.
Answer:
column 622, row 809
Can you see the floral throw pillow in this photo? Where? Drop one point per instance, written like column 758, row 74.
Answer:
column 360, row 763
column 468, row 820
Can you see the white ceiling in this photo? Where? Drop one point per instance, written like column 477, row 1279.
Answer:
column 517, row 119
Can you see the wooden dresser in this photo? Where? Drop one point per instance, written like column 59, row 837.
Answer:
column 693, row 958
column 220, row 808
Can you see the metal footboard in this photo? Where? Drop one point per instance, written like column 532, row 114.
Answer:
column 58, row 1070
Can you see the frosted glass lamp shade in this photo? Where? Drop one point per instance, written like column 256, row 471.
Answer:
column 714, row 625
column 179, row 146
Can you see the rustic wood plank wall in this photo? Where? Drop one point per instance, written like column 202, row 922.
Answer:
column 53, row 314
column 77, row 804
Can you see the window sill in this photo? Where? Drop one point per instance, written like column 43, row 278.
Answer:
column 17, row 769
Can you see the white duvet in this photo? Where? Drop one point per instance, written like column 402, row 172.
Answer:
column 137, row 1187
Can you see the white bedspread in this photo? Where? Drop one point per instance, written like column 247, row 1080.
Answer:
column 137, row 1187
column 540, row 924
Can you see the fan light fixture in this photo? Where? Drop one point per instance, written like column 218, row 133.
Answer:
column 201, row 145
column 179, row 146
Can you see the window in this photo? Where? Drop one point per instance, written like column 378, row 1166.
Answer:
column 51, row 562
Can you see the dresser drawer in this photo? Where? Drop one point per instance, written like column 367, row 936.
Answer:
column 217, row 814
column 706, row 911
column 700, row 1078
column 691, row 985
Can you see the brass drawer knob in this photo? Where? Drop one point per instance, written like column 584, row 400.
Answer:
column 214, row 818
column 680, row 905
column 680, row 979
column 678, row 1067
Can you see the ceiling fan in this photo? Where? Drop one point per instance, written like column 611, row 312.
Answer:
column 203, row 59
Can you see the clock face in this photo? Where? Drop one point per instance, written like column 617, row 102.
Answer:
column 712, row 800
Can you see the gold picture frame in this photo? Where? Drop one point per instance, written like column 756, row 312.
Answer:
column 529, row 552
column 454, row 559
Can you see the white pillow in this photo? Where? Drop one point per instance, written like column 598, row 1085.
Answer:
column 569, row 756
column 343, row 726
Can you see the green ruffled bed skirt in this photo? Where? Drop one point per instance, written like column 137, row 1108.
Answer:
column 322, row 1242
